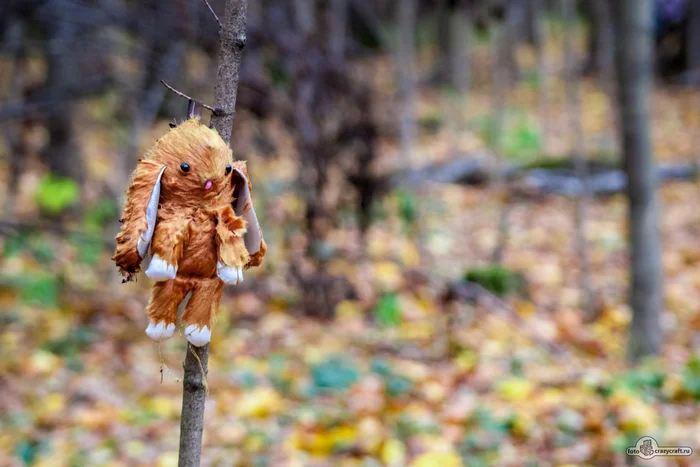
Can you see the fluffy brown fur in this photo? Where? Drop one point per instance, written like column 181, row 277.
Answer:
column 195, row 227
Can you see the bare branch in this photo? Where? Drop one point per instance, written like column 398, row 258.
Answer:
column 185, row 96
column 213, row 13
column 232, row 38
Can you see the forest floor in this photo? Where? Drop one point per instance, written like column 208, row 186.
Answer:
column 396, row 377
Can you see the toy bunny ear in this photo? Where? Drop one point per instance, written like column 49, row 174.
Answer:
column 243, row 207
column 151, row 212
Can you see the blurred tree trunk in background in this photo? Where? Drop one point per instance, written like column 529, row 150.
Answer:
column 406, row 67
column 305, row 16
column 337, row 21
column 62, row 154
column 512, row 30
column 694, row 42
column 600, row 38
column 573, row 97
column 538, row 29
column 499, row 94
column 454, row 28
column 634, row 74
column 14, row 132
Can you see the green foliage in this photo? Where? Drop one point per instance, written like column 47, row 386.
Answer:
column 523, row 140
column 335, row 374
column 644, row 380
column 90, row 250
column 387, row 311
column 14, row 244
column 277, row 74
column 398, row 385
column 532, row 78
column 691, row 377
column 598, row 162
column 41, row 248
column 408, row 207
column 40, row 290
column 100, row 214
column 381, row 366
column 55, row 194
column 70, row 345
column 431, row 123
column 521, row 136
column 497, row 279
column 36, row 244
column 407, row 426
column 27, row 450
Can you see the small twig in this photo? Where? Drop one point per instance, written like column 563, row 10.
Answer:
column 185, row 96
column 213, row 13
column 164, row 366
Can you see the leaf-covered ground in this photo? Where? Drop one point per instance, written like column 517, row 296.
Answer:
column 399, row 376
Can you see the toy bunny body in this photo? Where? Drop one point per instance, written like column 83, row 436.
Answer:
column 190, row 204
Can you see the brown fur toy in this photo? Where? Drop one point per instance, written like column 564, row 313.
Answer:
column 190, row 205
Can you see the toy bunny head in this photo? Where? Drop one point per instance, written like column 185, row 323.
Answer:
column 197, row 165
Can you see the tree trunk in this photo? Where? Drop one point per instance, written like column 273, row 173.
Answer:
column 453, row 29
column 233, row 39
column 460, row 30
column 513, row 25
column 693, row 42
column 498, row 102
column 63, row 153
column 539, row 43
column 634, row 74
column 406, row 64
column 573, row 97
column 338, row 13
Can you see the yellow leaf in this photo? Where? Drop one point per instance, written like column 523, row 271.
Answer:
column 168, row 459
column 43, row 362
column 393, row 453
column 348, row 309
column 261, row 402
column 525, row 308
column 437, row 459
column 162, row 406
column 53, row 403
column 388, row 275
column 514, row 389
column 410, row 255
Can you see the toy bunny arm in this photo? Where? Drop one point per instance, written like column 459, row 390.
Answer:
column 231, row 249
column 243, row 207
column 169, row 241
column 139, row 217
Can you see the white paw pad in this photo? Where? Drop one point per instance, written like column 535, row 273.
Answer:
column 198, row 336
column 161, row 331
column 229, row 274
column 160, row 270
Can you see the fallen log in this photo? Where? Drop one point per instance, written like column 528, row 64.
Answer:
column 604, row 179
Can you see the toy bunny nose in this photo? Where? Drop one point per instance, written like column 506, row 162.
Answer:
column 207, row 185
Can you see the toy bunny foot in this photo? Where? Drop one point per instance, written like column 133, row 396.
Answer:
column 161, row 331
column 198, row 336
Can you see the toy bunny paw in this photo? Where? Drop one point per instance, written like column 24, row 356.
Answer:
column 161, row 331
column 198, row 336
column 159, row 270
column 229, row 274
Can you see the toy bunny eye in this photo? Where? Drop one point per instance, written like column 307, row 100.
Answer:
column 228, row 169
column 184, row 167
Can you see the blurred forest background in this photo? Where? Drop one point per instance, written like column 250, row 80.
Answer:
column 468, row 264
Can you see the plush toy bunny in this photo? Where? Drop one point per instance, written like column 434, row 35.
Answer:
column 189, row 205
